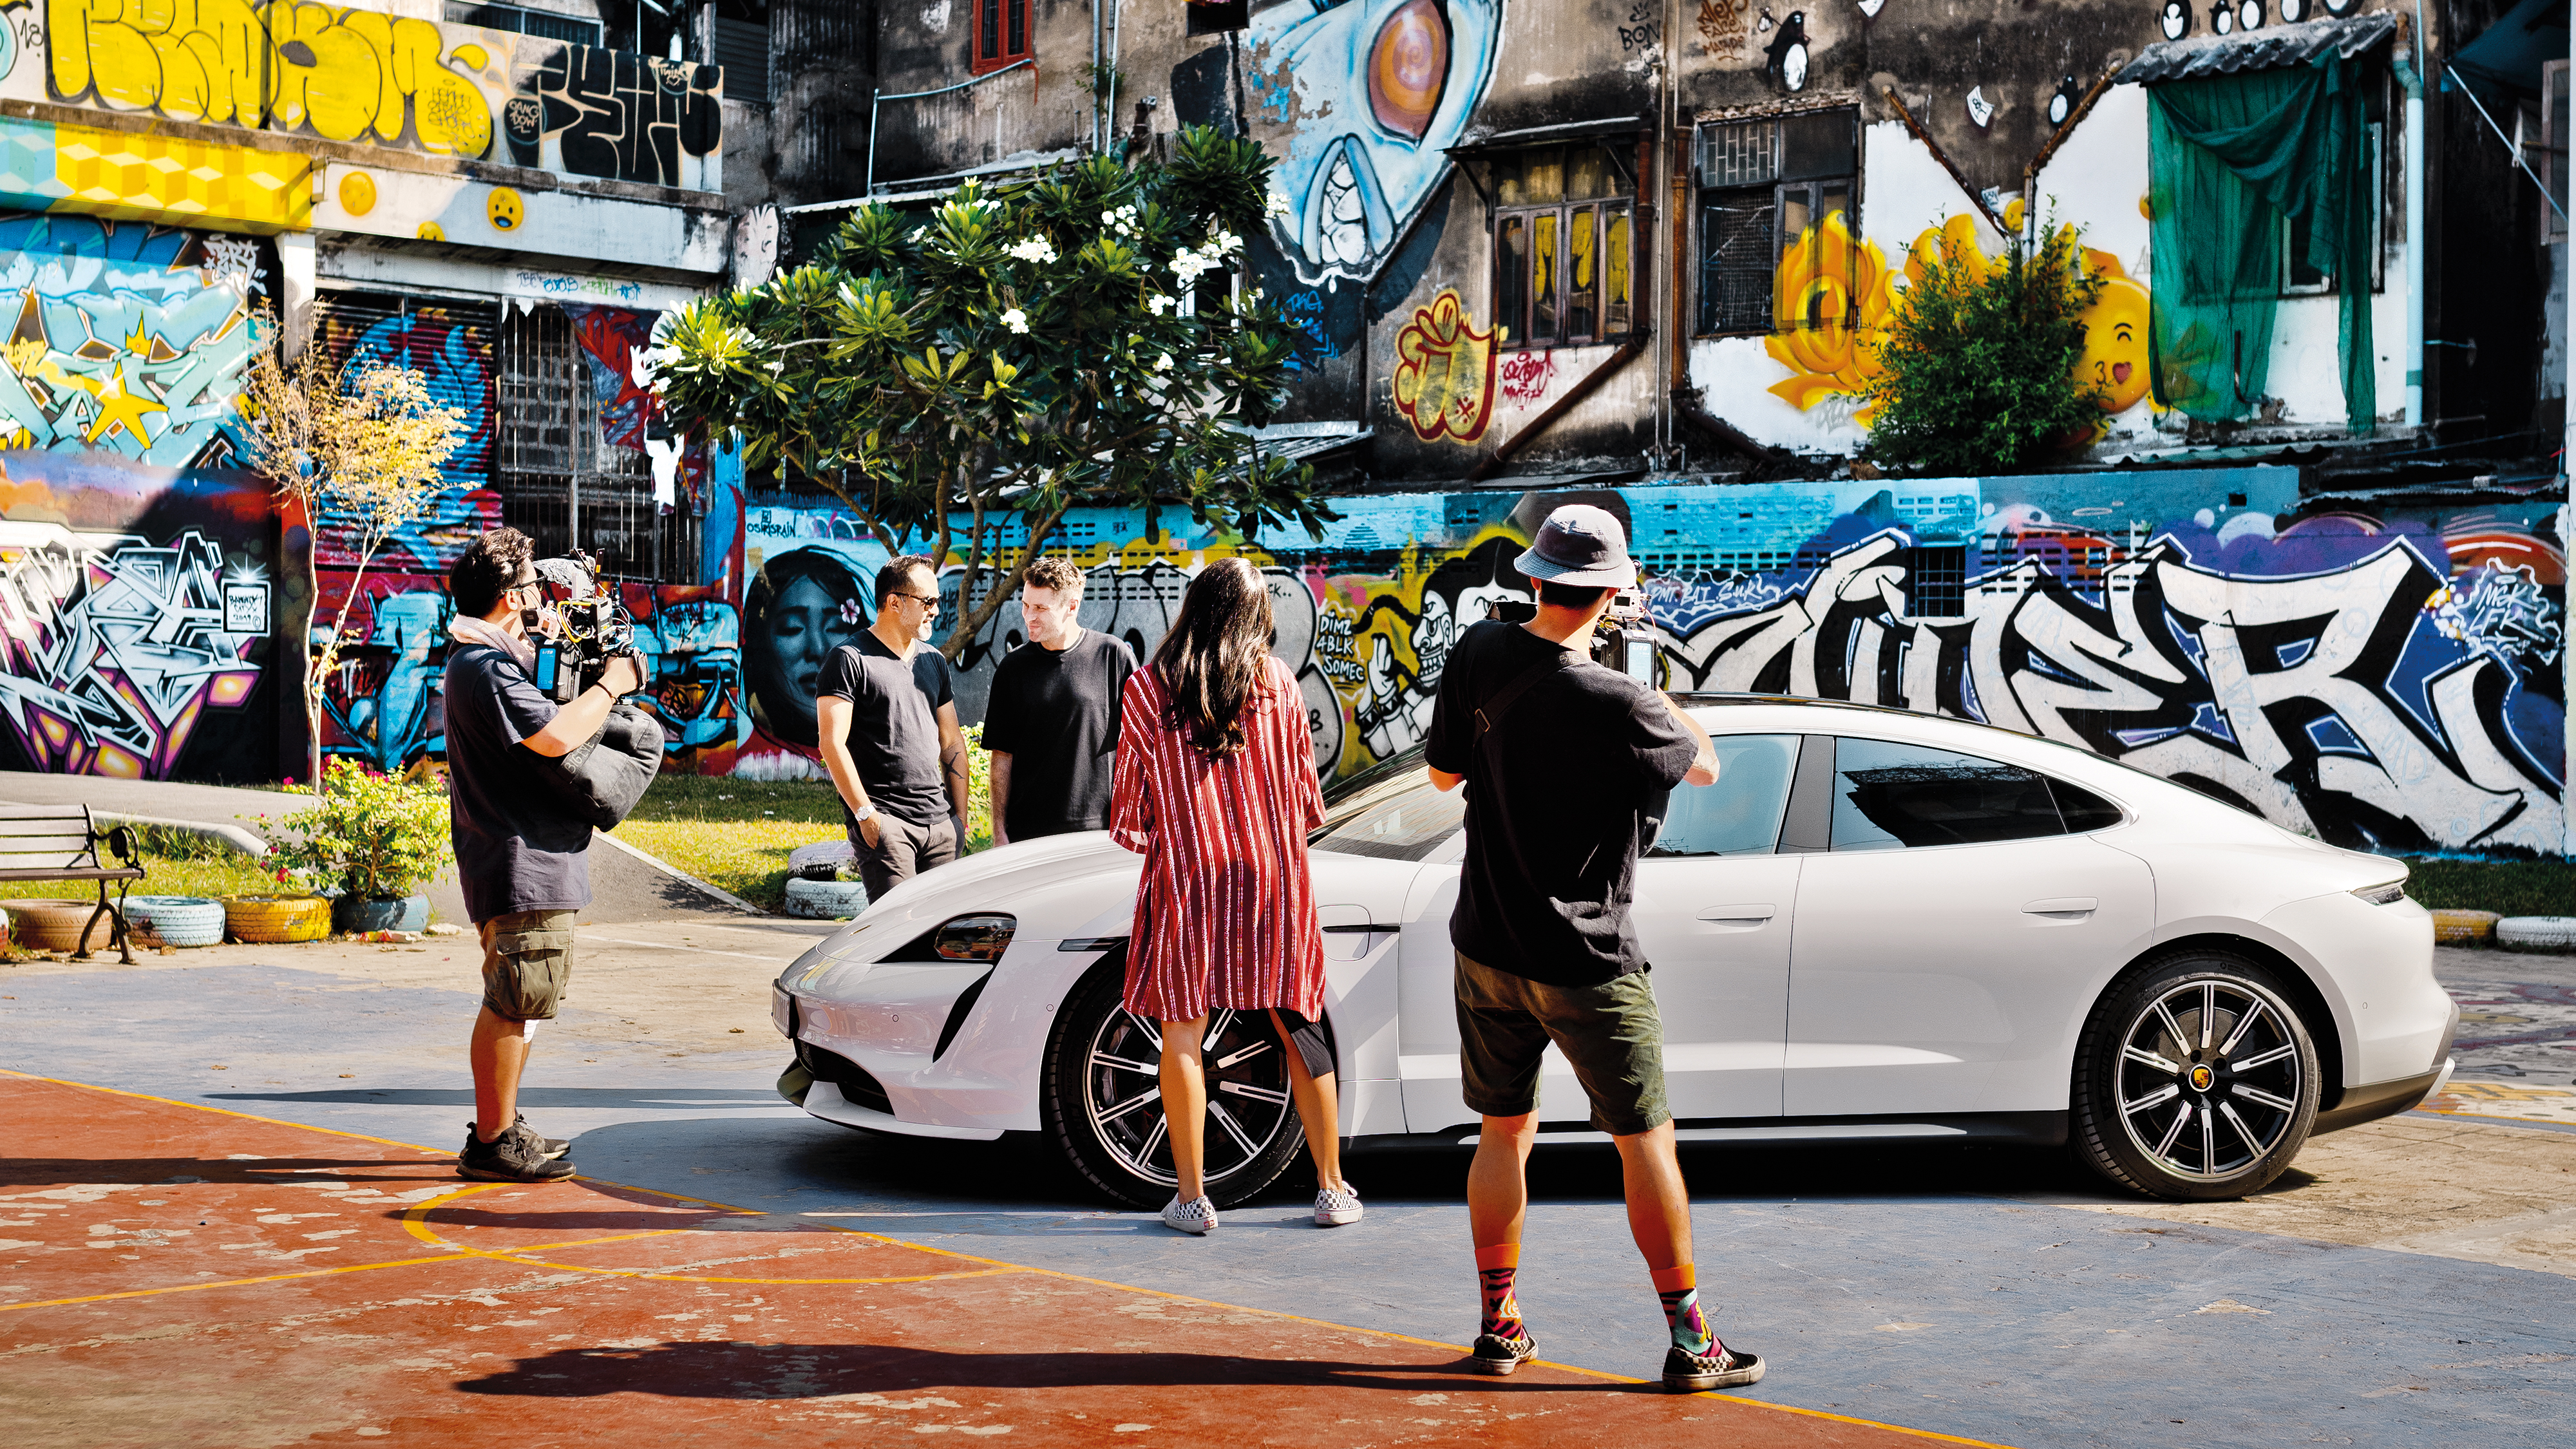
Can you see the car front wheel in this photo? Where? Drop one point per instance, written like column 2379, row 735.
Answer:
column 1103, row 1098
column 2195, row 1079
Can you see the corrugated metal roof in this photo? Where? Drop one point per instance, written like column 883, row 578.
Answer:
column 2270, row 48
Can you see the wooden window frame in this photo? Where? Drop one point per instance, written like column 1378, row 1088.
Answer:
column 1520, row 329
column 989, row 43
column 1737, row 163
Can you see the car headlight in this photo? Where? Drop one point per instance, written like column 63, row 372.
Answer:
column 974, row 938
column 2387, row 893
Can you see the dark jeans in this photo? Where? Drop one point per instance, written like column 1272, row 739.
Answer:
column 903, row 850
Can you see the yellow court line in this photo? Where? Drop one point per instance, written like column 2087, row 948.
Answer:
column 994, row 1262
column 232, row 1282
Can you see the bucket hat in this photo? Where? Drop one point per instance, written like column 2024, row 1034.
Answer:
column 1580, row 545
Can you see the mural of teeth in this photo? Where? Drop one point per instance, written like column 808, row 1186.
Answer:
column 1344, row 230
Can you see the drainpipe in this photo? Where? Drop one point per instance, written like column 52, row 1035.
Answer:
column 2568, row 845
column 2411, row 76
column 1581, row 389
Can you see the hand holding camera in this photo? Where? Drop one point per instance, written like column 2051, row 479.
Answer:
column 588, row 637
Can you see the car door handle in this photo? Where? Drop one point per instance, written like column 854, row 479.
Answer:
column 2062, row 907
column 1744, row 913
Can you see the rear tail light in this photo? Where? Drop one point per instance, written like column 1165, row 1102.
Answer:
column 2386, row 894
column 975, row 938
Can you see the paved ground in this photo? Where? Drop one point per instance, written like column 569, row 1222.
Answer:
column 2406, row 1284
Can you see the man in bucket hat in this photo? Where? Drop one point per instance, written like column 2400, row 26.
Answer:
column 1567, row 766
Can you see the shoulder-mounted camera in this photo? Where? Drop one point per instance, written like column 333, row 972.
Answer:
column 589, row 627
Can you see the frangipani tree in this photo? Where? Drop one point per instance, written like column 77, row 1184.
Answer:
column 1017, row 350
column 362, row 446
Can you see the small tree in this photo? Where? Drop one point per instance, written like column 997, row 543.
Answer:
column 1979, row 360
column 1018, row 349
column 363, row 445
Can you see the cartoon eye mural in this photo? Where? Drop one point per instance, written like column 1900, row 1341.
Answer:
column 1371, row 93
column 1408, row 66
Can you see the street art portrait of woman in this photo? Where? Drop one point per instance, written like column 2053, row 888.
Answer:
column 800, row 607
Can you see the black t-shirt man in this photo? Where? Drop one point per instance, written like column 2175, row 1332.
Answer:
column 1559, row 804
column 894, row 726
column 1055, row 712
column 517, row 848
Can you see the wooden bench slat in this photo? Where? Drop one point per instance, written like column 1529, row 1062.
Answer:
column 112, row 873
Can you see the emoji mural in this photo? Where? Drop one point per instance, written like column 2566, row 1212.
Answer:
column 1842, row 295
column 2389, row 681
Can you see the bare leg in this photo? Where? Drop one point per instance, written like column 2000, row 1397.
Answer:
column 1319, row 1109
column 1185, row 1102
column 1658, row 1202
column 1497, row 1188
column 498, row 1052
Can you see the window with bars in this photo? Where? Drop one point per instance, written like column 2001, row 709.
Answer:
column 1564, row 249
column 1766, row 189
column 560, row 484
column 1001, row 34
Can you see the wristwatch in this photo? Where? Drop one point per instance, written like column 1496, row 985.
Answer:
column 864, row 814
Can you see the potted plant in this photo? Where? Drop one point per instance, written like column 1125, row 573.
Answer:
column 379, row 838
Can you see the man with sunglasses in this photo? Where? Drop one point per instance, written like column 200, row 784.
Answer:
column 522, row 857
column 886, row 714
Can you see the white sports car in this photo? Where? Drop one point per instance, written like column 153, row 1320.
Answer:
column 1875, row 925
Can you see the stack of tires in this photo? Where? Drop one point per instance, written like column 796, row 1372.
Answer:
column 2537, row 933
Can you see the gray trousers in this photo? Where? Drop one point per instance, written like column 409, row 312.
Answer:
column 903, row 850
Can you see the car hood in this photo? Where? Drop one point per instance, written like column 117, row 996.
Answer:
column 1057, row 886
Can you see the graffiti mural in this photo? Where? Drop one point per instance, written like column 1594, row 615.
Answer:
column 362, row 77
column 112, row 648
column 1444, row 372
column 1370, row 94
column 128, row 339
column 610, row 337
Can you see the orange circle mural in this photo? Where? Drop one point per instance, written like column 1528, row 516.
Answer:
column 1408, row 68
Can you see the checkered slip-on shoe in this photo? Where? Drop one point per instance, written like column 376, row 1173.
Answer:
column 1690, row 1373
column 1499, row 1356
column 1195, row 1217
column 1336, row 1207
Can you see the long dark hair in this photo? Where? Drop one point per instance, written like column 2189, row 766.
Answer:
column 1217, row 655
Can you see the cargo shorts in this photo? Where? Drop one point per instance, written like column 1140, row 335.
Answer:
column 527, row 964
column 1611, row 1035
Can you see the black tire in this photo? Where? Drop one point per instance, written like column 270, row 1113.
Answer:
column 2195, row 1079
column 1101, row 1098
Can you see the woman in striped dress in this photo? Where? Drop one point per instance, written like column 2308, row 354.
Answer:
column 1215, row 787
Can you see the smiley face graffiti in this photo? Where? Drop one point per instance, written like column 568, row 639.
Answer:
column 505, row 208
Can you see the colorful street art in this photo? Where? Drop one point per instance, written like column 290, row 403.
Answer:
column 128, row 339
column 1847, row 296
column 1444, row 372
column 367, row 78
column 1369, row 94
column 2391, row 681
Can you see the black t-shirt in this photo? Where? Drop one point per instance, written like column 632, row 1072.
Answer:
column 894, row 725
column 517, row 847
column 1558, row 805
column 1057, row 716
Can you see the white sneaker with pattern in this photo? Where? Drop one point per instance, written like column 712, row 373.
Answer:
column 1194, row 1217
column 1336, row 1206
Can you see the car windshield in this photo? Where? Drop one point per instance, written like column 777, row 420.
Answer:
column 1390, row 810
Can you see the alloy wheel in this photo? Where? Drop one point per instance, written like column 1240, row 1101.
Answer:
column 2209, row 1079
column 1247, row 1085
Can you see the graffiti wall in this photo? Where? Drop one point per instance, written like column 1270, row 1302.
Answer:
column 362, row 77
column 2389, row 679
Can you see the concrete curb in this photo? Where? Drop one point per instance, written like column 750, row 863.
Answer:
column 240, row 837
column 664, row 866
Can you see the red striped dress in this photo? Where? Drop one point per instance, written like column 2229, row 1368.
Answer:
column 1225, row 916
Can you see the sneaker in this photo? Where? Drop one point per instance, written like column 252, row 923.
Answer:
column 1499, row 1356
column 1335, row 1207
column 514, row 1158
column 549, row 1148
column 1194, row 1217
column 1689, row 1373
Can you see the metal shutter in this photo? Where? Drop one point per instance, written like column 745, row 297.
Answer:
column 447, row 342
column 742, row 51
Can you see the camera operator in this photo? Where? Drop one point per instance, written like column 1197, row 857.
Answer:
column 522, row 855
column 1567, row 766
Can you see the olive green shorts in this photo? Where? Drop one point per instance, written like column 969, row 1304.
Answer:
column 1610, row 1034
column 527, row 964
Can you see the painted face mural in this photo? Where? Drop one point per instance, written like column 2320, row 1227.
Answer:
column 804, row 605
column 1370, row 92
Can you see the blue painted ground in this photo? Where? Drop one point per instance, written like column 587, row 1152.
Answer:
column 1907, row 1287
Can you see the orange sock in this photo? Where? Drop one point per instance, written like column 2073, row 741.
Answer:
column 1496, row 1267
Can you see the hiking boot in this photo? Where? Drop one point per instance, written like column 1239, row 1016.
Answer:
column 1690, row 1373
column 548, row 1148
column 517, row 1157
column 1499, row 1356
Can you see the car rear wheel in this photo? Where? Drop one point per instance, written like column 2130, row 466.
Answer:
column 2195, row 1079
column 1104, row 1098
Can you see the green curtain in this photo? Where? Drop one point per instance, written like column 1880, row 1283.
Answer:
column 2229, row 158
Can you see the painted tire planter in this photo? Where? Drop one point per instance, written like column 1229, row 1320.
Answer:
column 55, row 925
column 2464, row 928
column 277, row 918
column 178, row 920
column 352, row 915
column 825, row 900
column 822, row 860
column 2537, row 933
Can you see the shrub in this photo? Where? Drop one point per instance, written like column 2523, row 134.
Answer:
column 1979, row 361
column 376, row 835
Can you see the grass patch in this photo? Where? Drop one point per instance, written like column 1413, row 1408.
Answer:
column 736, row 833
column 2506, row 887
column 174, row 864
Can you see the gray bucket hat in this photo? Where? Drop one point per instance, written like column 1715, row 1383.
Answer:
column 1580, row 545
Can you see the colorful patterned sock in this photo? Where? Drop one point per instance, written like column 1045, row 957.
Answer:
column 1496, row 1267
column 1679, row 1288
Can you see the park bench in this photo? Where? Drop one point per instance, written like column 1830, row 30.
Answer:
column 65, row 845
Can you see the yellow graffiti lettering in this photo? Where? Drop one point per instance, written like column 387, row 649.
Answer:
column 1444, row 372
column 190, row 59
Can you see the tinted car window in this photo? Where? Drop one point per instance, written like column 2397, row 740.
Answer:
column 1740, row 814
column 1890, row 796
column 2082, row 809
column 1391, row 811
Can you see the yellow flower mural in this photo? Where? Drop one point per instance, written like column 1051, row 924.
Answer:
column 1842, row 288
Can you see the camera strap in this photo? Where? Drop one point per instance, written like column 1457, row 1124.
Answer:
column 1489, row 715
